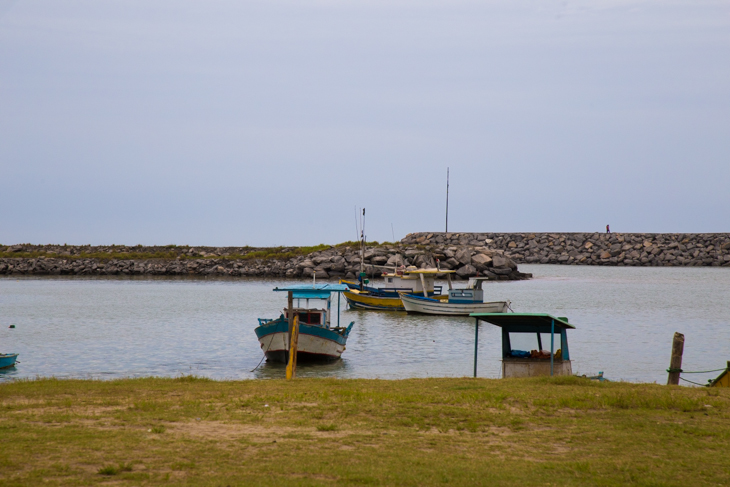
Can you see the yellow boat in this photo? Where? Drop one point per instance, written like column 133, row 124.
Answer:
column 365, row 300
column 411, row 281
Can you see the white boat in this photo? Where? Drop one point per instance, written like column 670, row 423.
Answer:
column 319, row 338
column 459, row 302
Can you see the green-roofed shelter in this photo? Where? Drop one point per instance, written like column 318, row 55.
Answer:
column 525, row 341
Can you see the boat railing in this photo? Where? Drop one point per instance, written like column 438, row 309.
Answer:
column 263, row 321
column 436, row 289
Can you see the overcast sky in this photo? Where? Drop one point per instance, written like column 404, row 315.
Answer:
column 268, row 123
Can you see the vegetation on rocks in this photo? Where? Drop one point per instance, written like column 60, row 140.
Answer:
column 322, row 261
column 563, row 431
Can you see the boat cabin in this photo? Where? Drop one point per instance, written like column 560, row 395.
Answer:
column 472, row 294
column 311, row 308
column 414, row 281
column 533, row 344
column 466, row 296
column 408, row 282
column 313, row 305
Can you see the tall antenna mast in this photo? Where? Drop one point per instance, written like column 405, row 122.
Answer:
column 362, row 242
column 447, row 200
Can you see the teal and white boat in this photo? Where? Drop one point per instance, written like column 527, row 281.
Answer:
column 319, row 338
column 7, row 360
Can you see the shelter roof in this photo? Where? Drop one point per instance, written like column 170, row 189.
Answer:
column 521, row 319
column 313, row 290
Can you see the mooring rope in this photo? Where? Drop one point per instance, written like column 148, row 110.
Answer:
column 691, row 382
column 695, row 372
column 262, row 358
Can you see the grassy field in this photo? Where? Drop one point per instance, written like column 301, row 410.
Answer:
column 190, row 431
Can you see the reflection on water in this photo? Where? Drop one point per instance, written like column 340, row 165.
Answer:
column 112, row 327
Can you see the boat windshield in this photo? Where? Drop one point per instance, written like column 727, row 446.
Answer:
column 310, row 317
column 310, row 303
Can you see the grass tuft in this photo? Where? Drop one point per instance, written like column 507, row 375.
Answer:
column 108, row 470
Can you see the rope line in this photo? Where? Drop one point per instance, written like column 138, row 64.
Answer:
column 267, row 347
column 695, row 372
column 691, row 382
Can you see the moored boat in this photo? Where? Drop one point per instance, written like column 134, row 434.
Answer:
column 458, row 302
column 7, row 360
column 388, row 297
column 319, row 339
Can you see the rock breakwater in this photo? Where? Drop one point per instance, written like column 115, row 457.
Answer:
column 324, row 262
column 614, row 249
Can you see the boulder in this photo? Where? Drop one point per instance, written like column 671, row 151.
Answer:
column 466, row 271
column 396, row 259
column 321, row 274
column 481, row 261
column 488, row 274
column 463, row 256
column 379, row 260
column 503, row 261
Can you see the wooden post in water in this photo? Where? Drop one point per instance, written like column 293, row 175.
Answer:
column 675, row 364
column 291, row 367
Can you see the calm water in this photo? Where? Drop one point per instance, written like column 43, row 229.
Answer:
column 106, row 328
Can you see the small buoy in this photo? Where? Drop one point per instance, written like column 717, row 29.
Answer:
column 11, row 326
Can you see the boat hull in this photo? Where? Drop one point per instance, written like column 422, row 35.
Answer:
column 316, row 344
column 7, row 360
column 366, row 301
column 420, row 305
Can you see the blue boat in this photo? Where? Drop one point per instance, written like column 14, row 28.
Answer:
column 319, row 339
column 7, row 360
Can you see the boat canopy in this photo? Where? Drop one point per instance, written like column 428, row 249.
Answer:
column 309, row 291
column 524, row 321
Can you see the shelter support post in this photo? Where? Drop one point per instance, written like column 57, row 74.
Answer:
column 476, row 344
column 290, row 313
column 552, row 345
column 338, row 309
column 423, row 283
column 448, row 278
column 675, row 363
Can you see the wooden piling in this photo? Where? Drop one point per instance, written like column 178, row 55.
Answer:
column 291, row 367
column 675, row 364
column 292, row 356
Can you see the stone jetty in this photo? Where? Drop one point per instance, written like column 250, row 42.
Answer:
column 324, row 262
column 613, row 249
